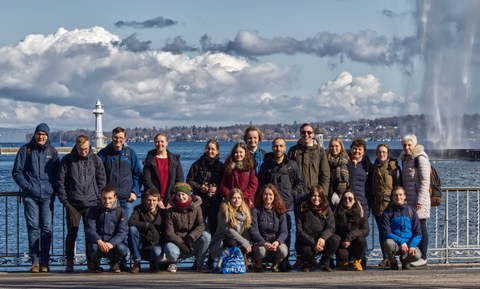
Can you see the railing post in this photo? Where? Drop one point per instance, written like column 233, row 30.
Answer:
column 446, row 228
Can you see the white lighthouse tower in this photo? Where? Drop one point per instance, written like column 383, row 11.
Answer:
column 99, row 137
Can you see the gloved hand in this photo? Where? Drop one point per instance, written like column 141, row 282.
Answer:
column 185, row 250
column 189, row 242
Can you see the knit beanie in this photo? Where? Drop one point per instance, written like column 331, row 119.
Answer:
column 183, row 187
column 43, row 127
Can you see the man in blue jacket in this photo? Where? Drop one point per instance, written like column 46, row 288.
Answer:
column 106, row 229
column 80, row 180
column 34, row 170
column 401, row 228
column 123, row 171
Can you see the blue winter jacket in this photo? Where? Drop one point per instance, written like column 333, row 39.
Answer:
column 402, row 225
column 35, row 168
column 267, row 227
column 121, row 172
column 103, row 224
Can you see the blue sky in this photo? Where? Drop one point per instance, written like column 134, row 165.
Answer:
column 166, row 63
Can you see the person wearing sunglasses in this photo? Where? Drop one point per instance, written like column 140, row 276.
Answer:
column 351, row 231
column 311, row 159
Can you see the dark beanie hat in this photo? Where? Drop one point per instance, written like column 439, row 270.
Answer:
column 43, row 127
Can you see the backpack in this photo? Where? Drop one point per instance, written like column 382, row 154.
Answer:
column 127, row 154
column 435, row 188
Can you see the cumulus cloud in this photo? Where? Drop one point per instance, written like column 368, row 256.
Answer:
column 134, row 44
column 158, row 22
column 349, row 97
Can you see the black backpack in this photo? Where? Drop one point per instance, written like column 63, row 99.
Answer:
column 435, row 185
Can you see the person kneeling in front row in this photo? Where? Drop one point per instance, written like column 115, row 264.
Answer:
column 145, row 231
column 185, row 229
column 402, row 231
column 269, row 228
column 106, row 230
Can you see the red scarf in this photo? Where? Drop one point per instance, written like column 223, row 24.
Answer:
column 182, row 206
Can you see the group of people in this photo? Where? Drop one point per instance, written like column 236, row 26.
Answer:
column 308, row 201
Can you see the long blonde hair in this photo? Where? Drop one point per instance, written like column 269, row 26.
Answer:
column 230, row 211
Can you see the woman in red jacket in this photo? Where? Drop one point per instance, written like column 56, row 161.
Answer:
column 240, row 173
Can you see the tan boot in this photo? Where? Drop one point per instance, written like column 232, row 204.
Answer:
column 357, row 265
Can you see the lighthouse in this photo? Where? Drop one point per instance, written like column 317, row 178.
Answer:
column 99, row 137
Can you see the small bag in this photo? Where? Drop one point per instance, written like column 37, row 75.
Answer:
column 233, row 262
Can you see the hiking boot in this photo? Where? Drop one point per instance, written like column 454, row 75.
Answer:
column 172, row 268
column 124, row 267
column 115, row 268
column 306, row 267
column 406, row 265
column 136, row 267
column 69, row 266
column 325, row 267
column 35, row 268
column 357, row 265
column 258, row 267
column 344, row 265
column 394, row 265
column 44, row 269
column 384, row 263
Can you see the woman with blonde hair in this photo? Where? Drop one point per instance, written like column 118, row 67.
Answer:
column 234, row 220
column 338, row 160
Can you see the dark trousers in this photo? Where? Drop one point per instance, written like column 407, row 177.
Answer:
column 423, row 246
column 74, row 214
column 354, row 251
column 307, row 252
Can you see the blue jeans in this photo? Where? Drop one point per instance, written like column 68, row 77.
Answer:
column 127, row 208
column 292, row 232
column 153, row 255
column 115, row 254
column 200, row 247
column 38, row 215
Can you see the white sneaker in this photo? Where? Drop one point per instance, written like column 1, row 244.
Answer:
column 419, row 262
column 172, row 268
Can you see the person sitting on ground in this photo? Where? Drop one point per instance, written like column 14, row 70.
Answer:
column 106, row 230
column 145, row 231
column 315, row 226
column 401, row 230
column 234, row 220
column 351, row 231
column 185, row 229
column 269, row 228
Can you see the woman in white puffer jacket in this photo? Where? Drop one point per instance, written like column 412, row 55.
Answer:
column 416, row 181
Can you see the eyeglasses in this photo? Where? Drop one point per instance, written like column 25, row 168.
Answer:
column 348, row 199
column 304, row 132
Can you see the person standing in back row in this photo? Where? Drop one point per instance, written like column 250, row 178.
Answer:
column 252, row 137
column 416, row 181
column 123, row 171
column 80, row 181
column 34, row 170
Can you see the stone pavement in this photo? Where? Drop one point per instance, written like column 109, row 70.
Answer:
column 433, row 276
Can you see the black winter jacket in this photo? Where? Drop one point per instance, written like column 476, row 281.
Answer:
column 206, row 170
column 312, row 226
column 150, row 230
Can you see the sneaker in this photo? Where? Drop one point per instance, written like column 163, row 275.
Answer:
column 35, row 268
column 419, row 262
column 69, row 266
column 96, row 269
column 136, row 267
column 275, row 267
column 44, row 269
column 204, row 269
column 172, row 268
column 115, row 268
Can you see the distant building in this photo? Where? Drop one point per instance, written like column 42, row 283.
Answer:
column 99, row 137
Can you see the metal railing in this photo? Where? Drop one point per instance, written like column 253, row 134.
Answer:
column 454, row 231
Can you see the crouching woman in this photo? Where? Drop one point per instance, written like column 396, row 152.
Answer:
column 185, row 229
column 269, row 228
column 234, row 219
column 315, row 226
column 351, row 231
